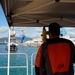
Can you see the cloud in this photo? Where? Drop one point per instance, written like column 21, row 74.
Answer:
column 20, row 30
column 68, row 28
column 70, row 31
column 3, row 29
column 35, row 32
column 36, row 35
column 38, row 29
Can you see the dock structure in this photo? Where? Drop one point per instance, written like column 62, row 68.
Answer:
column 35, row 42
column 3, row 42
column 29, row 44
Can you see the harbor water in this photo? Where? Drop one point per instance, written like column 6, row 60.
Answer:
column 17, row 58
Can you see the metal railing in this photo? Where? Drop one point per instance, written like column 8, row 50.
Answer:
column 16, row 66
column 32, row 63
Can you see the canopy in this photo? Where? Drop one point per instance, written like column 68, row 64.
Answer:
column 38, row 13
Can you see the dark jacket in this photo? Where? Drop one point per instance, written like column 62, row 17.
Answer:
column 57, row 57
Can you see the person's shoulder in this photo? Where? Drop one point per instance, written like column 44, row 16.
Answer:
column 64, row 39
column 67, row 40
column 44, row 44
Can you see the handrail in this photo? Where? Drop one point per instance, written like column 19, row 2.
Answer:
column 16, row 66
column 32, row 66
column 32, row 63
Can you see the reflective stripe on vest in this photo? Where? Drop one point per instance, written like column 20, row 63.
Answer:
column 42, row 61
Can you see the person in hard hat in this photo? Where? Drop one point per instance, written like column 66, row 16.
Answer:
column 56, row 56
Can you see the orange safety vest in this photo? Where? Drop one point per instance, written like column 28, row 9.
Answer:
column 58, row 57
column 38, row 57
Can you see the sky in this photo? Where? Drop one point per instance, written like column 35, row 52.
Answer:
column 3, row 24
column 29, row 31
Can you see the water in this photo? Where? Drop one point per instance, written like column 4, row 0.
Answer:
column 16, row 60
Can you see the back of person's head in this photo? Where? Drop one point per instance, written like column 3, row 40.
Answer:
column 54, row 28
